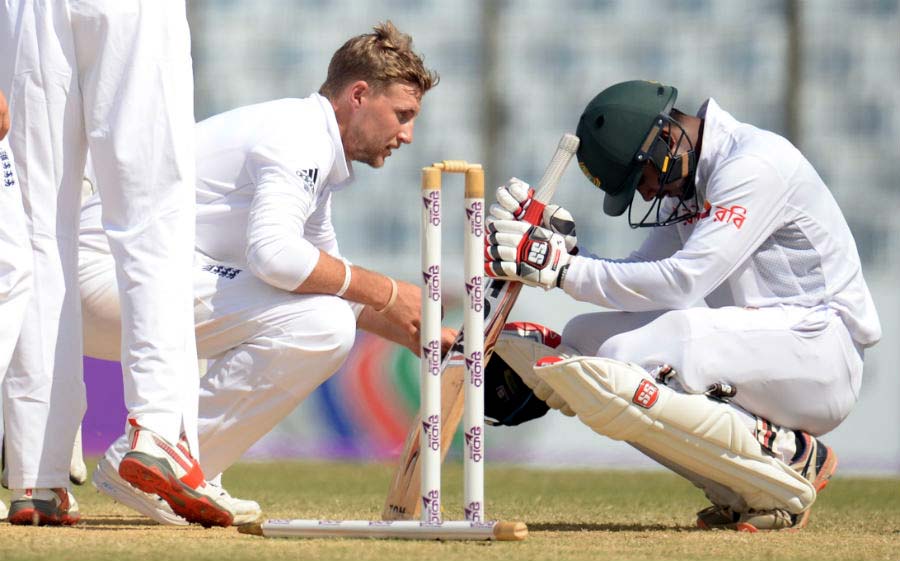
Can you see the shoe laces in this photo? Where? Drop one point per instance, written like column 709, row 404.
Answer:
column 222, row 492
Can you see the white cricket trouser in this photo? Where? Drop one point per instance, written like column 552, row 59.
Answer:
column 115, row 76
column 15, row 263
column 268, row 349
column 15, row 259
column 795, row 367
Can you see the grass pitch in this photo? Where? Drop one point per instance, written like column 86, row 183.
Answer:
column 594, row 515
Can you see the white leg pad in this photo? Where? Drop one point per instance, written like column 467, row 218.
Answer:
column 521, row 349
column 621, row 401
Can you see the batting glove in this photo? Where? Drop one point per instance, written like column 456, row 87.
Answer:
column 513, row 200
column 560, row 221
column 521, row 252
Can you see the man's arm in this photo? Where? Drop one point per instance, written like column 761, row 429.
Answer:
column 378, row 324
column 400, row 307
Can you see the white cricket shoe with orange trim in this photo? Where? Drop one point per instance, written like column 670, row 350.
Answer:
column 156, row 466
column 107, row 480
column 43, row 507
column 245, row 511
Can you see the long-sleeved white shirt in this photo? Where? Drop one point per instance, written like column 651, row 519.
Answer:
column 265, row 176
column 770, row 234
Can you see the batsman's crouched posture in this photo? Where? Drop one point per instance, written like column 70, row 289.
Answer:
column 733, row 392
column 276, row 307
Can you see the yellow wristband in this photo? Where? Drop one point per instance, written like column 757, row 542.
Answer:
column 392, row 299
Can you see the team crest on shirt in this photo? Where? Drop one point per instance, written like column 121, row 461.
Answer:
column 308, row 177
column 6, row 169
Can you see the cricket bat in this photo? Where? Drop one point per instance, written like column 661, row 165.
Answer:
column 402, row 501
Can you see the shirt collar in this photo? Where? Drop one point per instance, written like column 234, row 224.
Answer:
column 718, row 127
column 341, row 172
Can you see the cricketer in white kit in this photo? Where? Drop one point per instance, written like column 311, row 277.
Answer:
column 15, row 250
column 276, row 307
column 113, row 76
column 740, row 323
column 15, row 258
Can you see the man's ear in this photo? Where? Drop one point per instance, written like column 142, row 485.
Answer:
column 356, row 93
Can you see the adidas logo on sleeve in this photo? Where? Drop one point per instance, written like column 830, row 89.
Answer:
column 309, row 177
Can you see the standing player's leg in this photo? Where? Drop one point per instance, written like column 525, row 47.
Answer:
column 102, row 335
column 43, row 390
column 15, row 259
column 15, row 245
column 139, row 113
column 15, row 272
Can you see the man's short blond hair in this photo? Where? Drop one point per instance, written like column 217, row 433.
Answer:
column 380, row 58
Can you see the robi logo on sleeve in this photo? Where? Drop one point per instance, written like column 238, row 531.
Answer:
column 646, row 395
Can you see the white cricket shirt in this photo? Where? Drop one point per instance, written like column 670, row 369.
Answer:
column 770, row 234
column 265, row 175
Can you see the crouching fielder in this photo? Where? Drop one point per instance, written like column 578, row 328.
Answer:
column 276, row 307
column 733, row 392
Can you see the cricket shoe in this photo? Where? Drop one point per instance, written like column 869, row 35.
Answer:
column 155, row 466
column 43, row 507
column 107, row 481
column 813, row 460
column 245, row 511
column 3, row 510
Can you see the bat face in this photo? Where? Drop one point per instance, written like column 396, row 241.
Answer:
column 496, row 298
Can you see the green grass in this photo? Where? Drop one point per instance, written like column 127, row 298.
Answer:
column 596, row 515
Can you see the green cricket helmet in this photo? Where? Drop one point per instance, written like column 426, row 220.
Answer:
column 620, row 130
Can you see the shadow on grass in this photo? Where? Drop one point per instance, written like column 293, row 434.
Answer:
column 98, row 522
column 593, row 527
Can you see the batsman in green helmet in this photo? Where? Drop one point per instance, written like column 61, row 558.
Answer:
column 632, row 139
column 733, row 338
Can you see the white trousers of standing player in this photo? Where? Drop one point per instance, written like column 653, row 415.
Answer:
column 267, row 349
column 115, row 76
column 796, row 367
column 15, row 262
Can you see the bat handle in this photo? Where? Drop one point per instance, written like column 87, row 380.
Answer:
column 535, row 212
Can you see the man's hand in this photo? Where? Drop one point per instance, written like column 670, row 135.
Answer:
column 448, row 336
column 400, row 323
column 521, row 252
column 4, row 116
column 513, row 200
column 406, row 312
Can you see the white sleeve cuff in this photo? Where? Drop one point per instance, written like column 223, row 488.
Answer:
column 575, row 278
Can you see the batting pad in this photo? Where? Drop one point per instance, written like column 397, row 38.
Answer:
column 619, row 400
column 521, row 346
